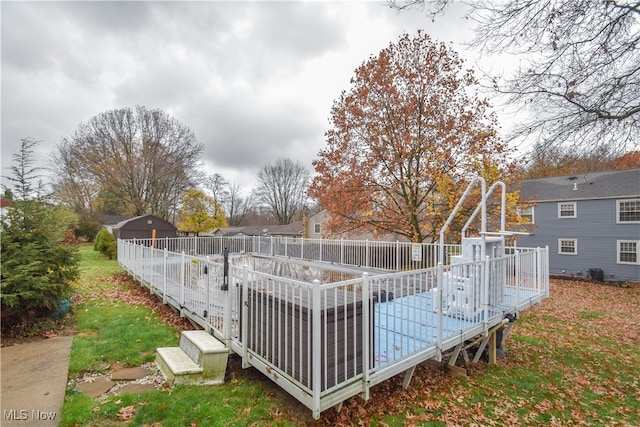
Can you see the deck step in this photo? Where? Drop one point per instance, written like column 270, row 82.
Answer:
column 199, row 344
column 200, row 359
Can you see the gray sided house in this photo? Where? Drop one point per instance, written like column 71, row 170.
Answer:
column 590, row 221
column 141, row 227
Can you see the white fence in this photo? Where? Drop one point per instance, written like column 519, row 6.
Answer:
column 325, row 340
column 364, row 253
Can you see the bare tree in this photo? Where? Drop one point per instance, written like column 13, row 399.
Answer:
column 218, row 186
column 237, row 205
column 229, row 196
column 145, row 157
column 580, row 69
column 282, row 187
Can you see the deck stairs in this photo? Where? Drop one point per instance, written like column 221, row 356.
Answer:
column 200, row 359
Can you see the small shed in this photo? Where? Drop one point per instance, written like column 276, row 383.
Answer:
column 142, row 227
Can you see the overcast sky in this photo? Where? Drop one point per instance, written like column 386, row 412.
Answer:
column 255, row 81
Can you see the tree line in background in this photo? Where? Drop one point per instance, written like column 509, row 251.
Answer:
column 129, row 162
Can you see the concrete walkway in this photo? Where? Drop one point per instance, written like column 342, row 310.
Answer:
column 34, row 380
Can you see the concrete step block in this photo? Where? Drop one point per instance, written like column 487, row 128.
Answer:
column 200, row 359
column 199, row 343
column 177, row 367
column 207, row 352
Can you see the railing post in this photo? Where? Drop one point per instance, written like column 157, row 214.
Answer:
column 152, row 251
column 366, row 336
column 366, row 256
column 286, row 245
column 207, row 311
column 244, row 307
column 341, row 251
column 302, row 248
column 271, row 244
column 164, row 273
column 182, row 273
column 397, row 268
column 485, row 288
column 136, row 260
column 320, row 251
column 228, row 300
column 440, row 311
column 545, row 260
column 316, row 344
column 519, row 256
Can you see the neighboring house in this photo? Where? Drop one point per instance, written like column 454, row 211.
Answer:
column 590, row 221
column 315, row 225
column 143, row 227
column 293, row 229
column 316, row 229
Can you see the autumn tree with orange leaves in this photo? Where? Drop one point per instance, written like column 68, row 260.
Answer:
column 404, row 141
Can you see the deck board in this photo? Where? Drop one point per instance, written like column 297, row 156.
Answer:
column 409, row 324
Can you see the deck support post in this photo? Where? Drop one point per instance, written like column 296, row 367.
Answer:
column 483, row 344
column 506, row 332
column 408, row 374
column 491, row 336
column 455, row 354
column 465, row 356
column 492, row 347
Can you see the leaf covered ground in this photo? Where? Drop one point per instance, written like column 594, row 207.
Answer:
column 574, row 360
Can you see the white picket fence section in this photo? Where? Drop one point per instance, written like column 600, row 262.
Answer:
column 305, row 314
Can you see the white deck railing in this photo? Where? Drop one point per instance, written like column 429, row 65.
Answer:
column 383, row 255
column 323, row 340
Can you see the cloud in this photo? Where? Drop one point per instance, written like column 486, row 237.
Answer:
column 255, row 81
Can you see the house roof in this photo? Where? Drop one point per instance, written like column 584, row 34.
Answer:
column 124, row 222
column 293, row 229
column 583, row 186
column 113, row 220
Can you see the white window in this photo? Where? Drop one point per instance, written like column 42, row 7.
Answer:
column 316, row 228
column 628, row 252
column 628, row 211
column 567, row 210
column 527, row 213
column 567, row 246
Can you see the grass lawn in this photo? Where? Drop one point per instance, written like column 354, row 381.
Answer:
column 574, row 360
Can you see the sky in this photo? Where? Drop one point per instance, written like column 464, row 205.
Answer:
column 255, row 81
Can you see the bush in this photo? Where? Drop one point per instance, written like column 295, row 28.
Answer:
column 88, row 228
column 106, row 244
column 38, row 267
